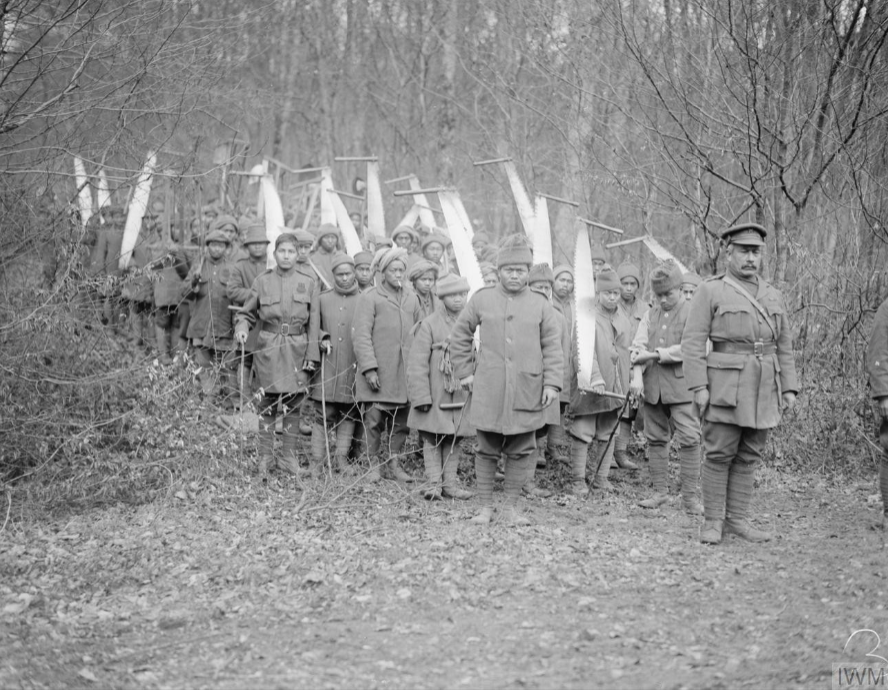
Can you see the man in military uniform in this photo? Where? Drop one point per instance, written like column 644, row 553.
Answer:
column 743, row 385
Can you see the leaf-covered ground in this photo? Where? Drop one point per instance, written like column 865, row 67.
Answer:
column 221, row 583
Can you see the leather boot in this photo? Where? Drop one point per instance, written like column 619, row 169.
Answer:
column 431, row 458
column 621, row 446
column 344, row 434
column 290, row 461
column 690, row 479
column 601, row 482
column 318, row 450
column 711, row 532
column 578, row 452
column 266, row 445
column 741, row 482
column 658, row 461
column 452, row 488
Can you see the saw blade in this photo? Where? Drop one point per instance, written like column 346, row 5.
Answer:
column 136, row 211
column 584, row 300
column 542, row 234
column 661, row 252
column 466, row 260
column 344, row 222
column 274, row 215
column 84, row 194
column 522, row 200
column 375, row 212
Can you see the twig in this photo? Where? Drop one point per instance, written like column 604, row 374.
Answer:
column 8, row 509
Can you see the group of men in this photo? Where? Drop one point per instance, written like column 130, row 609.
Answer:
column 393, row 347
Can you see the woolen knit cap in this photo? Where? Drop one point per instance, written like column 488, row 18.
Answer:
column 341, row 258
column 540, row 272
column 434, row 237
column 384, row 258
column 629, row 270
column 562, row 268
column 607, row 280
column 451, row 284
column 216, row 235
column 223, row 221
column 514, row 250
column 422, row 266
column 480, row 237
column 691, row 279
column 665, row 277
column 405, row 228
column 328, row 229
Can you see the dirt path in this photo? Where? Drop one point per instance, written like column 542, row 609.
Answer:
column 225, row 588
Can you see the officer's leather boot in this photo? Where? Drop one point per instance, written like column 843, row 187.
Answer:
column 690, row 479
column 741, row 481
column 344, row 432
column 266, row 445
column 431, row 457
column 318, row 449
column 658, row 462
column 621, row 446
column 578, row 452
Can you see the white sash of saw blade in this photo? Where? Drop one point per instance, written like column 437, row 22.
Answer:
column 84, row 193
column 466, row 260
column 375, row 211
column 136, row 211
column 584, row 302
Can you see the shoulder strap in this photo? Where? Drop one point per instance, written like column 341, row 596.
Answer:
column 755, row 303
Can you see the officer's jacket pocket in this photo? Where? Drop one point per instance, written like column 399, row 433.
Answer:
column 734, row 318
column 723, row 371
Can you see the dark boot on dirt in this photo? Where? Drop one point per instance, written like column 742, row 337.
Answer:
column 690, row 479
column 741, row 483
column 344, row 432
column 601, row 481
column 658, row 462
column 621, row 446
column 452, row 488
column 434, row 472
column 318, row 450
column 578, row 454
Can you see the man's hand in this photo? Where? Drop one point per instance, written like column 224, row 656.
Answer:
column 642, row 357
column 326, row 346
column 883, row 406
column 789, row 400
column 550, row 395
column 636, row 387
column 372, row 377
column 241, row 336
column 599, row 389
column 466, row 383
column 302, row 378
column 422, row 408
column 701, row 398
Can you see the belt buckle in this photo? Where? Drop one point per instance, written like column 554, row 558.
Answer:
column 285, row 329
column 758, row 348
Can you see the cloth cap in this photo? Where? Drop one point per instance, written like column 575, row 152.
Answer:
column 216, row 235
column 745, row 233
column 255, row 234
column 598, row 253
column 514, row 250
column 341, row 258
column 385, row 257
column 363, row 259
column 295, row 237
column 422, row 266
column 562, row 268
column 435, row 237
column 221, row 222
column 405, row 228
column 328, row 229
column 480, row 237
column 451, row 284
column 487, row 268
column 381, row 241
column 540, row 272
column 607, row 280
column 629, row 270
column 691, row 279
column 665, row 277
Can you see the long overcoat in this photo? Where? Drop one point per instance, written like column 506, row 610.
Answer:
column 381, row 335
column 427, row 381
column 282, row 303
column 334, row 318
column 520, row 353
column 610, row 365
column 211, row 321
column 745, row 389
column 664, row 381
column 877, row 353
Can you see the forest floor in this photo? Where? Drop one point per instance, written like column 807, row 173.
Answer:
column 221, row 583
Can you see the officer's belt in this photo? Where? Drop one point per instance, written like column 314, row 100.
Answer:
column 284, row 328
column 757, row 348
